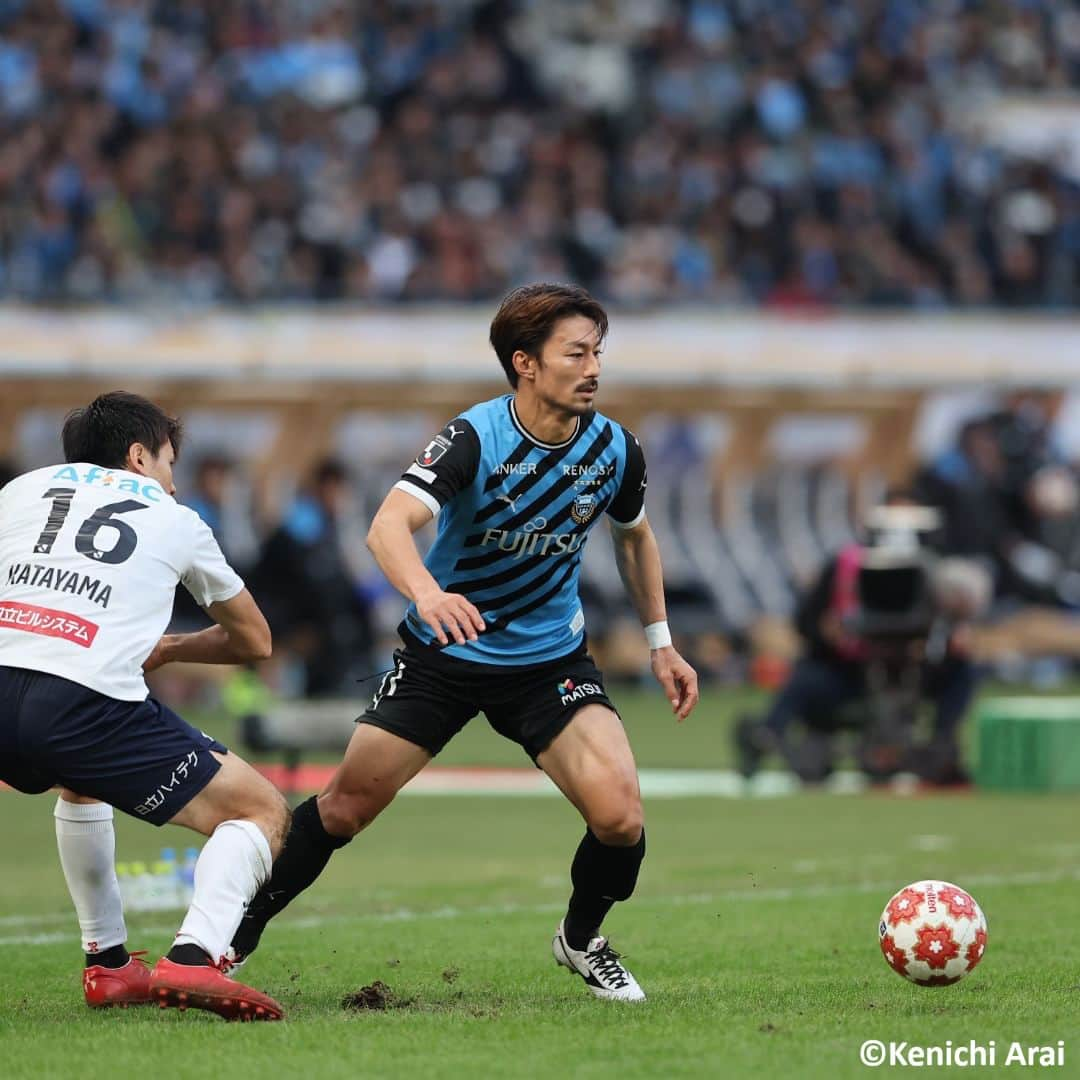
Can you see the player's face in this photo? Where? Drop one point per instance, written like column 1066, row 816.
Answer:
column 157, row 466
column 568, row 369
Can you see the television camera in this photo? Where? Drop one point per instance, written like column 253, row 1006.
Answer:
column 905, row 606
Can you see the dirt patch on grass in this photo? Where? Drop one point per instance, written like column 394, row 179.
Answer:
column 377, row 997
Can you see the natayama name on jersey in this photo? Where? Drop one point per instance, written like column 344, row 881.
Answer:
column 89, row 563
column 68, row 581
column 513, row 515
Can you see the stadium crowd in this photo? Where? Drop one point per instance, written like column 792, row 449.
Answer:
column 773, row 152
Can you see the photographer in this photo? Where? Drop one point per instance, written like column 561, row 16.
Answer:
column 884, row 629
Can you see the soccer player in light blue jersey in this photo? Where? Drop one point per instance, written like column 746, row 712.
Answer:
column 495, row 625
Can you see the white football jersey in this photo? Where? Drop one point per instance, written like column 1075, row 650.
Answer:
column 89, row 563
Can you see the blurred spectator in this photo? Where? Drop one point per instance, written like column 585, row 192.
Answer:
column 969, row 485
column 789, row 153
column 224, row 503
column 1008, row 499
column 214, row 497
column 304, row 583
column 208, row 495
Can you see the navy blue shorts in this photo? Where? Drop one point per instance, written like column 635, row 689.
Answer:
column 138, row 756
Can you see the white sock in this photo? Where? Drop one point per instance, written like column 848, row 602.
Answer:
column 87, row 844
column 234, row 862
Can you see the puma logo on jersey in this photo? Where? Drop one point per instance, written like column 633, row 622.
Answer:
column 68, row 581
column 512, row 503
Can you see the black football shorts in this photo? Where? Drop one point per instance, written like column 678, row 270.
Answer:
column 139, row 756
column 428, row 698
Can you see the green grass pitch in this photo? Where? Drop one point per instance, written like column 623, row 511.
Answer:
column 753, row 932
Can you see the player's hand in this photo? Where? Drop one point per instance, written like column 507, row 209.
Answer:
column 158, row 657
column 450, row 614
column 678, row 679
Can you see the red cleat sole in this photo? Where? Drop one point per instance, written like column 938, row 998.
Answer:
column 174, row 986
column 232, row 1008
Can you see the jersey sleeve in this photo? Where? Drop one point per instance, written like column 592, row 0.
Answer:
column 444, row 467
column 208, row 577
column 627, row 509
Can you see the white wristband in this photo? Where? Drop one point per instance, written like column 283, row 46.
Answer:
column 658, row 635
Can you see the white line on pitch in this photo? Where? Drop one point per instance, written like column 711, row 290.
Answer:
column 309, row 922
column 30, row 920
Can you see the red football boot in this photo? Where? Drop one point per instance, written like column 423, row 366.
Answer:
column 184, row 986
column 123, row 986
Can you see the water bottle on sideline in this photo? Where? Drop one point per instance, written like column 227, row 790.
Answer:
column 142, row 885
column 172, row 887
column 162, row 892
column 187, row 874
column 123, row 879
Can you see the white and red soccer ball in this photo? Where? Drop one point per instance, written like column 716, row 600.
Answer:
column 932, row 933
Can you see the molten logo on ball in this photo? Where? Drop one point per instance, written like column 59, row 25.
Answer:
column 932, row 933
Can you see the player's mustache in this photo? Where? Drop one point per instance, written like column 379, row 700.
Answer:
column 592, row 384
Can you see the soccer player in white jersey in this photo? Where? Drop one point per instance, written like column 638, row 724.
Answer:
column 91, row 552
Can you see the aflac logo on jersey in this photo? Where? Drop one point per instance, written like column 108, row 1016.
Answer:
column 569, row 691
column 583, row 508
column 149, row 490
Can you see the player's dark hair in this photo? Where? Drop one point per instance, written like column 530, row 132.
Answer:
column 214, row 462
column 103, row 431
column 329, row 471
column 528, row 314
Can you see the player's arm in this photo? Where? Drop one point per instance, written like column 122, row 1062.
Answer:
column 446, row 465
column 637, row 556
column 241, row 636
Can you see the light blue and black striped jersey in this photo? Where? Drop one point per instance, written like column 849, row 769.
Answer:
column 514, row 514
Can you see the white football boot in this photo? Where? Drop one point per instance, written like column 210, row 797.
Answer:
column 599, row 966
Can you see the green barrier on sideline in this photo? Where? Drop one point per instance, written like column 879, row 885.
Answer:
column 1029, row 744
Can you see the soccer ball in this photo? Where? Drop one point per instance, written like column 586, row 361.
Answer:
column 932, row 933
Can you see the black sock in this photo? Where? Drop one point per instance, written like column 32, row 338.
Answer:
column 190, row 955
column 307, row 850
column 114, row 957
column 601, row 875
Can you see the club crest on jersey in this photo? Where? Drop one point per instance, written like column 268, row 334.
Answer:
column 583, row 508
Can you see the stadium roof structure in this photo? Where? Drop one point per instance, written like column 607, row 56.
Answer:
column 672, row 350
column 312, row 368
